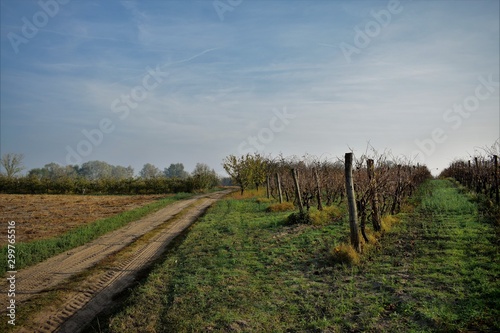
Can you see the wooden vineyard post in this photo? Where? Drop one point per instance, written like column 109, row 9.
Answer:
column 396, row 204
column 268, row 187
column 469, row 175
column 297, row 190
column 495, row 173
column 373, row 188
column 280, row 193
column 318, row 189
column 351, row 200
column 478, row 184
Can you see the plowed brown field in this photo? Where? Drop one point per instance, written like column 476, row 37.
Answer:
column 43, row 216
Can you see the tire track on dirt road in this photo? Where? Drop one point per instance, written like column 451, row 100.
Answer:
column 96, row 291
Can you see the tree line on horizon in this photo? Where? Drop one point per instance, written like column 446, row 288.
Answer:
column 103, row 178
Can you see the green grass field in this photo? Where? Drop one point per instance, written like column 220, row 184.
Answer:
column 242, row 269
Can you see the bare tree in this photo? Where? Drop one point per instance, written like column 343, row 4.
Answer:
column 94, row 170
column 149, row 171
column 176, row 170
column 12, row 164
column 204, row 177
column 121, row 172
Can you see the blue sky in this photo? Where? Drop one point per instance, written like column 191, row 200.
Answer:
column 193, row 81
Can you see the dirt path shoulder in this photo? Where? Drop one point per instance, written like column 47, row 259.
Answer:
column 95, row 293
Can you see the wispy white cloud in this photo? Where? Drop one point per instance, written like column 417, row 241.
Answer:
column 225, row 78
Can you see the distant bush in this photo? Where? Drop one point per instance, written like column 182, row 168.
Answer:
column 281, row 207
column 80, row 185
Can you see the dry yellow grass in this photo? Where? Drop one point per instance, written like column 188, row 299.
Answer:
column 281, row 207
column 248, row 194
column 325, row 216
column 388, row 221
column 345, row 254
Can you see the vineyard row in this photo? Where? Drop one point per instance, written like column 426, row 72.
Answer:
column 481, row 174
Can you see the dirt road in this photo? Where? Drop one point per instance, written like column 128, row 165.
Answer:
column 95, row 293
